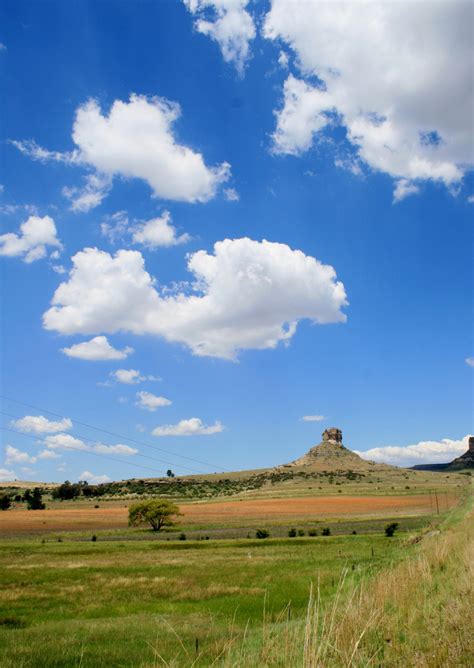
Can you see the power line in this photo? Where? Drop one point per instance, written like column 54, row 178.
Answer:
column 89, row 440
column 95, row 454
column 114, row 434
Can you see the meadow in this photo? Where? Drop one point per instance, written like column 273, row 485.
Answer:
column 122, row 604
column 135, row 598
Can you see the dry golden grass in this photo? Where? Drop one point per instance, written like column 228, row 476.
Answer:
column 416, row 614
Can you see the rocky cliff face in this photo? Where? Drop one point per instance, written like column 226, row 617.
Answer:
column 465, row 461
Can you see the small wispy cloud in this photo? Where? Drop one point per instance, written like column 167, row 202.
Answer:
column 130, row 377
column 192, row 427
column 97, row 349
column 95, row 479
column 151, row 402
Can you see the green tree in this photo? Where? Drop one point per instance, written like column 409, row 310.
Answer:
column 158, row 513
column 170, row 473
column 5, row 502
column 34, row 499
column 67, row 491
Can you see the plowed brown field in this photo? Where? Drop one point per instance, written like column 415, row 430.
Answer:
column 19, row 521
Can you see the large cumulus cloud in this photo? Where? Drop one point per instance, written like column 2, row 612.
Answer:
column 246, row 294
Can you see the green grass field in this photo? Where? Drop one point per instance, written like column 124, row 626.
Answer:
column 133, row 598
column 122, row 604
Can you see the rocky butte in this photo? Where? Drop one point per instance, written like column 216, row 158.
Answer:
column 332, row 455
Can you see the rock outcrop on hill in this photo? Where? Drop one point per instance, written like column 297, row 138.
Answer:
column 332, row 455
column 465, row 461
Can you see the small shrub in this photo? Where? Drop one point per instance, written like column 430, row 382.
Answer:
column 390, row 529
column 182, row 536
column 354, row 533
column 96, row 506
column 94, row 538
column 262, row 533
column 292, row 533
column 326, row 531
column 312, row 532
column 300, row 532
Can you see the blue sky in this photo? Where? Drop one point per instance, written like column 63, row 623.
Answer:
column 151, row 131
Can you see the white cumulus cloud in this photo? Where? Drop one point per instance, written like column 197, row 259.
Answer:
column 96, row 349
column 395, row 75
column 38, row 424
column 32, row 242
column 7, row 475
column 302, row 116
column 128, row 376
column 247, row 294
column 424, row 452
column 151, row 402
column 190, row 427
column 135, row 140
column 48, row 454
column 229, row 24
column 16, row 456
column 67, row 442
column 64, row 442
column 93, row 477
column 158, row 232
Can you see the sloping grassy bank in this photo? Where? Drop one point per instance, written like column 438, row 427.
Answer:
column 417, row 613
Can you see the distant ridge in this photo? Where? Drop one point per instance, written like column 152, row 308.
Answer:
column 465, row 461
column 430, row 467
column 332, row 455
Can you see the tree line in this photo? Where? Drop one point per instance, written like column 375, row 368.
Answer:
column 32, row 498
